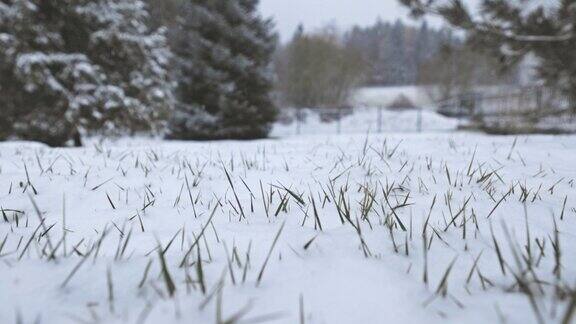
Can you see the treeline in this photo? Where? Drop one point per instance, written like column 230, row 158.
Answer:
column 194, row 69
column 443, row 63
column 395, row 51
column 321, row 68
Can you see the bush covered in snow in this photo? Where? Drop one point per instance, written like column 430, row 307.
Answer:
column 80, row 66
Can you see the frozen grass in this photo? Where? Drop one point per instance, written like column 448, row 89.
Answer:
column 410, row 228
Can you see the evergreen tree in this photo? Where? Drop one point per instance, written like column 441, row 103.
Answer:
column 394, row 51
column 163, row 13
column 423, row 49
column 223, row 52
column 513, row 29
column 72, row 66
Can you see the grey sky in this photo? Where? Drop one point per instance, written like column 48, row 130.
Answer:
column 317, row 13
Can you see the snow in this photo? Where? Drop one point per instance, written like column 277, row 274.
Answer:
column 335, row 278
column 384, row 96
column 364, row 120
column 368, row 115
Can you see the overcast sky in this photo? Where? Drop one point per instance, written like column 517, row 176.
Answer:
column 317, row 13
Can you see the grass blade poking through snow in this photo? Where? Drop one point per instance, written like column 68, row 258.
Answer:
column 570, row 311
column 242, row 215
column 165, row 273
column 200, row 271
column 196, row 240
column 261, row 274
column 443, row 286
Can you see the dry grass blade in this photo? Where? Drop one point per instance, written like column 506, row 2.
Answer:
column 307, row 245
column 165, row 273
column 498, row 203
column 443, row 286
column 234, row 192
column 41, row 220
column 76, row 268
column 200, row 271
column 570, row 310
column 110, row 201
column 261, row 273
column 196, row 240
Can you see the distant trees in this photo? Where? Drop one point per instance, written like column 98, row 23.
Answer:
column 222, row 64
column 394, row 51
column 322, row 68
column 318, row 70
column 458, row 69
column 510, row 30
column 79, row 66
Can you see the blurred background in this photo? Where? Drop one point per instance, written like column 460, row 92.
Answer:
column 244, row 69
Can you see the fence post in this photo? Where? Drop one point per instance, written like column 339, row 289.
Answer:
column 570, row 107
column 339, row 129
column 298, row 121
column 379, row 118
column 419, row 120
column 539, row 97
column 461, row 110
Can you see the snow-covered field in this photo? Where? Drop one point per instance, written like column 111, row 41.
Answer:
column 384, row 96
column 371, row 116
column 366, row 120
column 390, row 228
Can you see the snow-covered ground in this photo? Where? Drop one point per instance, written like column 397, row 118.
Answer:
column 370, row 115
column 384, row 96
column 366, row 120
column 387, row 228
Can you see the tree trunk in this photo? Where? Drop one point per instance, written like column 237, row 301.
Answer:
column 77, row 138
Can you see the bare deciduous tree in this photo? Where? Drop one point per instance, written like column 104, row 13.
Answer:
column 317, row 70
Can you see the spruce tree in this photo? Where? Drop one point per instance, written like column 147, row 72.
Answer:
column 423, row 47
column 222, row 56
column 72, row 66
column 394, row 51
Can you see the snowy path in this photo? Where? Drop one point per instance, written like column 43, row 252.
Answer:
column 357, row 213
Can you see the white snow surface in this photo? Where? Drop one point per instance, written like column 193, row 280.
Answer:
column 366, row 120
column 365, row 269
column 384, row 96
